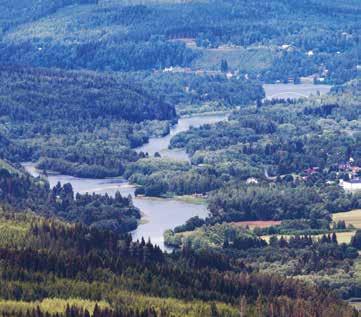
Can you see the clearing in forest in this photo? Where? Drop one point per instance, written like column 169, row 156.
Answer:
column 352, row 217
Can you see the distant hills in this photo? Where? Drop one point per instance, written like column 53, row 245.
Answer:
column 124, row 36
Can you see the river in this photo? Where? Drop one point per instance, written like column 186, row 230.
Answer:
column 159, row 214
column 160, row 145
column 162, row 214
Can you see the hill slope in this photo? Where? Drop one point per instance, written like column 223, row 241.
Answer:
column 109, row 35
column 34, row 94
column 43, row 260
column 88, row 119
column 13, row 13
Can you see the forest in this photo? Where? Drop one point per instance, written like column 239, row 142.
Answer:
column 83, row 122
column 51, row 95
column 19, row 192
column 85, row 83
column 92, row 34
column 87, row 124
column 303, row 144
column 116, row 265
column 192, row 93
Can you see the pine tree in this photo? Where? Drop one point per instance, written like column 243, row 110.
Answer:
column 334, row 238
column 214, row 310
column 224, row 66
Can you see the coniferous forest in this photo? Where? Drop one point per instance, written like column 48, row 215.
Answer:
column 237, row 121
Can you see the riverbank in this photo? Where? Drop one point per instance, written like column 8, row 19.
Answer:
column 192, row 199
column 160, row 145
column 158, row 214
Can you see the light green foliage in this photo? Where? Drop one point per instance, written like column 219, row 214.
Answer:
column 174, row 307
column 12, row 233
column 207, row 236
column 148, row 166
column 14, row 229
column 8, row 167
column 51, row 305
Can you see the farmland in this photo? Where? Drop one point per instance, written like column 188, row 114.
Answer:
column 352, row 217
column 244, row 59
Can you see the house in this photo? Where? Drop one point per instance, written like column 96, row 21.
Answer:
column 251, row 181
column 352, row 185
column 307, row 80
column 311, row 170
column 355, row 181
column 177, row 69
column 285, row 46
column 344, row 167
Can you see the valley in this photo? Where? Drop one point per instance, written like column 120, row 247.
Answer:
column 180, row 158
column 156, row 210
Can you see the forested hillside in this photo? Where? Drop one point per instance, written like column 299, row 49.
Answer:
column 99, row 91
column 12, row 151
column 13, row 13
column 50, row 259
column 19, row 192
column 306, row 37
column 30, row 94
column 192, row 93
column 83, row 118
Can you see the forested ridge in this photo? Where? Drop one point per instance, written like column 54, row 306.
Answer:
column 92, row 34
column 87, row 122
column 14, row 13
column 84, row 83
column 54, row 95
column 50, row 248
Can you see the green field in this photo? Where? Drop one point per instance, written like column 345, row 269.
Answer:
column 352, row 218
column 342, row 237
column 192, row 199
column 244, row 59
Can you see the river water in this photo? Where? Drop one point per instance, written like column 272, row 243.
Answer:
column 159, row 214
column 162, row 214
column 160, row 145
